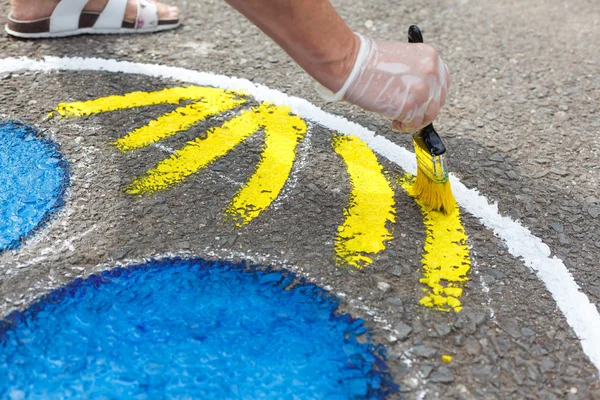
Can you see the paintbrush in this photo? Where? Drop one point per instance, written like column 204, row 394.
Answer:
column 432, row 186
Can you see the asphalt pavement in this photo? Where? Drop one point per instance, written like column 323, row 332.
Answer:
column 522, row 125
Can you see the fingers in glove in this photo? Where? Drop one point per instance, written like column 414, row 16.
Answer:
column 431, row 114
column 444, row 84
column 398, row 126
column 418, row 119
column 406, row 83
column 448, row 76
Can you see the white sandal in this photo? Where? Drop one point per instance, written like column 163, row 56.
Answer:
column 69, row 19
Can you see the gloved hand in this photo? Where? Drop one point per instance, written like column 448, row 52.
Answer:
column 404, row 82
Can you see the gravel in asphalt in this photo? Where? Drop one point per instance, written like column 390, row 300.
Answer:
column 522, row 124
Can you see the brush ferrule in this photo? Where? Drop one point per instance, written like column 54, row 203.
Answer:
column 432, row 164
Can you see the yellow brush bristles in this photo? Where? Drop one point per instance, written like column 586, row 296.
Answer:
column 434, row 195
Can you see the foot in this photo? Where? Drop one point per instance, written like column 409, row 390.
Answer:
column 31, row 10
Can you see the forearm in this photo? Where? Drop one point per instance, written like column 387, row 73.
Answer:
column 310, row 31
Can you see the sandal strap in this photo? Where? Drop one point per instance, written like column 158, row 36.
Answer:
column 112, row 16
column 66, row 15
column 147, row 15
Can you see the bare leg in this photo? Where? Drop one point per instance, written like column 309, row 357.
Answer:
column 29, row 10
column 311, row 32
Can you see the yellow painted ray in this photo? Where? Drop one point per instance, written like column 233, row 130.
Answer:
column 141, row 99
column 177, row 121
column 446, row 257
column 199, row 153
column 371, row 207
column 283, row 133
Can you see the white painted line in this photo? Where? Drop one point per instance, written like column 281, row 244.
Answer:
column 580, row 313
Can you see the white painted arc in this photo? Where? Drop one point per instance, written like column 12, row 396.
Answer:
column 580, row 313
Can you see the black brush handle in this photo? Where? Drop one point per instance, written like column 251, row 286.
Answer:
column 432, row 140
column 414, row 34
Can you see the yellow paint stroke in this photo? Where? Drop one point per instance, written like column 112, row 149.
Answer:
column 141, row 99
column 371, row 206
column 207, row 103
column 283, row 133
column 446, row 258
column 177, row 121
column 199, row 153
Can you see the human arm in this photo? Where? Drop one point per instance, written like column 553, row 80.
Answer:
column 406, row 83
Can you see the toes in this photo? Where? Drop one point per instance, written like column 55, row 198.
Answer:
column 166, row 11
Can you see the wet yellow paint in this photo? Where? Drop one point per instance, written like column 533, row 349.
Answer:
column 283, row 133
column 198, row 153
column 141, row 99
column 219, row 141
column 177, row 121
column 446, row 258
column 371, row 208
column 207, row 103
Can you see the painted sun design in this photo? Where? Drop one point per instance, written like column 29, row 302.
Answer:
column 371, row 210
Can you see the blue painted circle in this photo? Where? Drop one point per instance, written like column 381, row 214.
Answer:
column 191, row 329
column 33, row 178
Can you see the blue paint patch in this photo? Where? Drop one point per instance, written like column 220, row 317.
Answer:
column 189, row 329
column 33, row 178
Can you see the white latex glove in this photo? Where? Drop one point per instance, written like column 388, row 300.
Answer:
column 404, row 82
